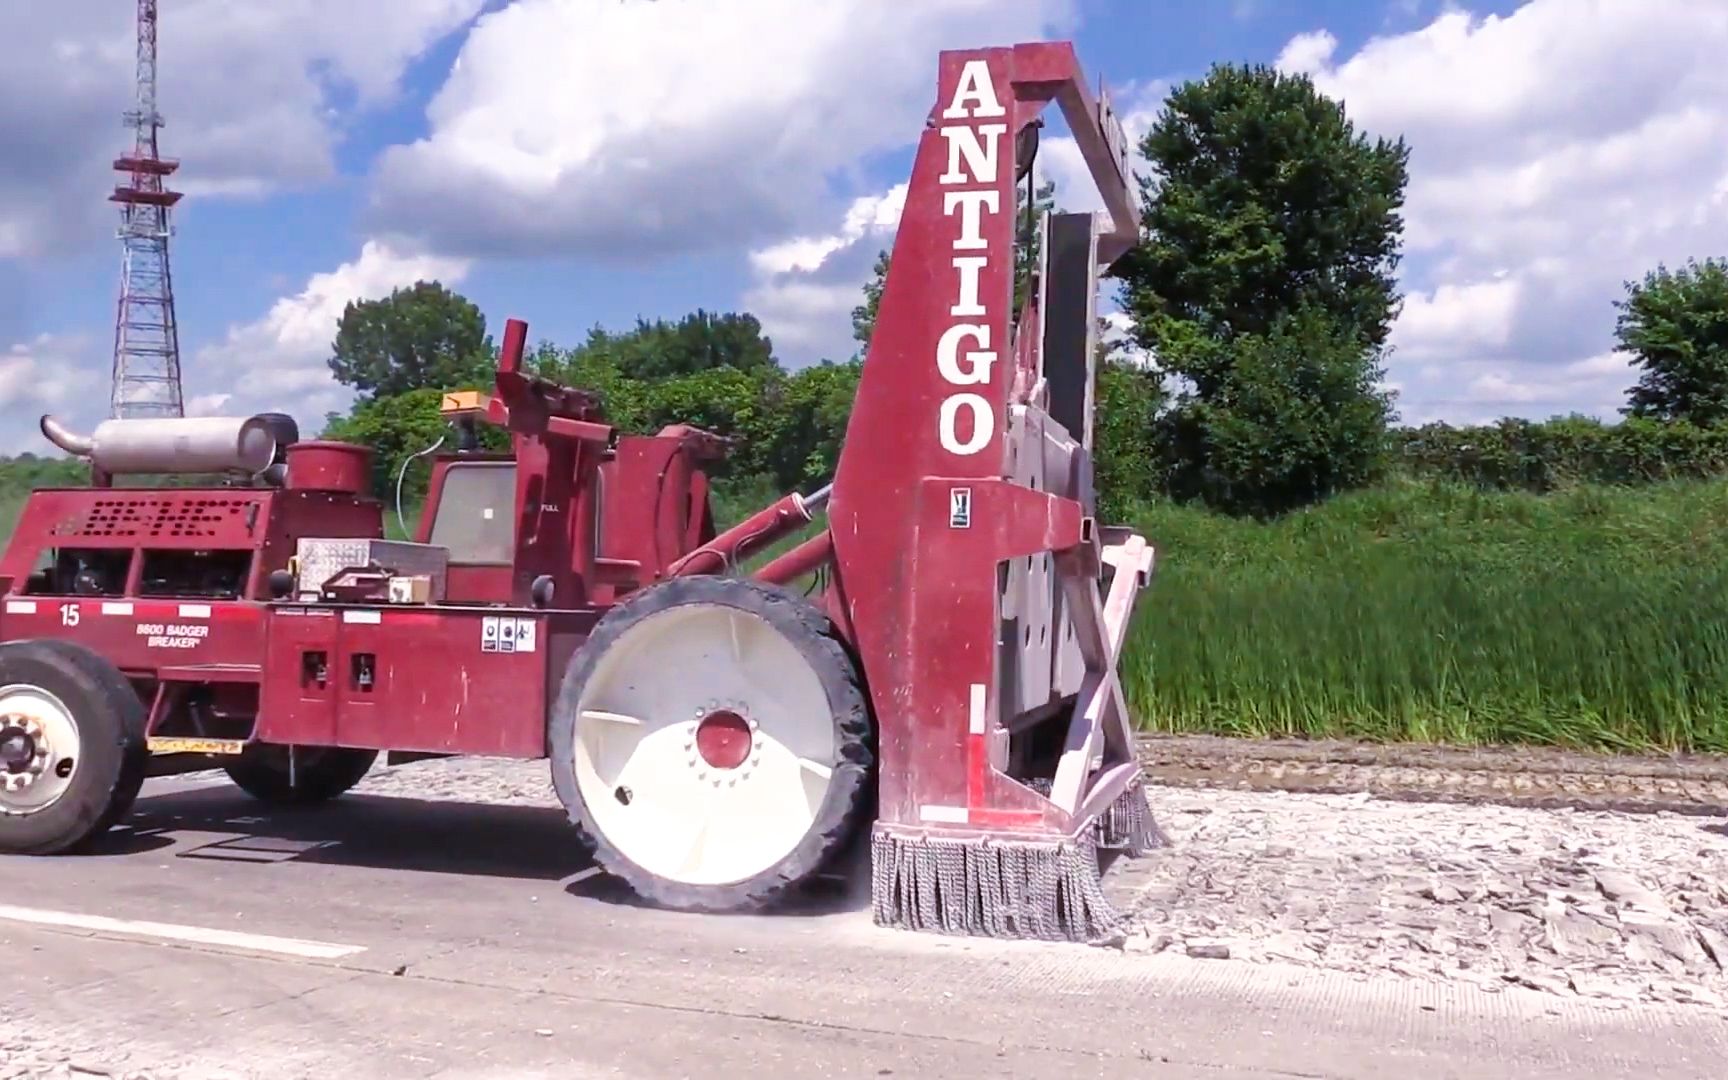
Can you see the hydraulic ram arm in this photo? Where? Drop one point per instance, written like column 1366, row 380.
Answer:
column 966, row 565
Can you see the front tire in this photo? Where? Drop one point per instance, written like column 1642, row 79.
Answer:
column 712, row 743
column 72, row 747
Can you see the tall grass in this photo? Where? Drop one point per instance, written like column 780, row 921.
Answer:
column 1593, row 617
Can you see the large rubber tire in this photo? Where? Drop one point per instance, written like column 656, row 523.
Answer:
column 321, row 773
column 110, row 754
column 639, row 657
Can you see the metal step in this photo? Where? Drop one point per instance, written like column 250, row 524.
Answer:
column 160, row 744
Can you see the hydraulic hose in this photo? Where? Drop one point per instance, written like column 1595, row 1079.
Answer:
column 401, row 473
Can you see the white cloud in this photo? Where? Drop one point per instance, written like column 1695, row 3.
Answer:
column 1478, row 391
column 872, row 215
column 1556, row 152
column 807, row 287
column 634, row 128
column 1439, row 323
column 255, row 96
column 279, row 362
column 48, row 373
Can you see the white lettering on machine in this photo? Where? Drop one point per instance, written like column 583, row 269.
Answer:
column 964, row 353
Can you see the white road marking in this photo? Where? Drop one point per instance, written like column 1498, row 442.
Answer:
column 313, row 950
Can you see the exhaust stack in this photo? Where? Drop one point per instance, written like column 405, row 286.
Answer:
column 209, row 444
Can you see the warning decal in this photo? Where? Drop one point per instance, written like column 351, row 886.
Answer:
column 499, row 633
column 959, row 508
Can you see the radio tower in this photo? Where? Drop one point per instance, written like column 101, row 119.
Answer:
column 146, row 339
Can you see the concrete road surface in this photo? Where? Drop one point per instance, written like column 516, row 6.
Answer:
column 390, row 937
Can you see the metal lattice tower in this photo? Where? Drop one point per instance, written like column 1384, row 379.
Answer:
column 146, row 339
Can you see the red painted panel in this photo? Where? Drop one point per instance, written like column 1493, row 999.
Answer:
column 139, row 636
column 932, row 402
column 436, row 687
column 295, row 706
column 921, row 514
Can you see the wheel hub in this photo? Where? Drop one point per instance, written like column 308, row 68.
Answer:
column 723, row 739
column 24, row 753
column 17, row 749
column 39, row 749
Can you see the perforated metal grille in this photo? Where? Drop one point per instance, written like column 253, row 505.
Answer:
column 199, row 517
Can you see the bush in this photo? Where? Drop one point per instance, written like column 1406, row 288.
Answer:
column 1541, row 457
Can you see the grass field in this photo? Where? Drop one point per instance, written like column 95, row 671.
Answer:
column 1594, row 617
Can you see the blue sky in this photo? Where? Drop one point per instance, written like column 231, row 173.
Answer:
column 589, row 161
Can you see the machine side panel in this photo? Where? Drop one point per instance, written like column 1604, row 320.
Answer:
column 139, row 636
column 297, row 695
column 442, row 680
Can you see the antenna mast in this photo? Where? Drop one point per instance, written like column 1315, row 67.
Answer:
column 146, row 338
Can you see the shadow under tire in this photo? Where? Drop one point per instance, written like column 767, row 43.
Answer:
column 713, row 745
column 80, row 725
column 321, row 773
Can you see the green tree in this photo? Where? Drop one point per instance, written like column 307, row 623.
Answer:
column 811, row 407
column 1266, row 283
column 1127, row 401
column 1675, row 325
column 700, row 341
column 1297, row 419
column 420, row 337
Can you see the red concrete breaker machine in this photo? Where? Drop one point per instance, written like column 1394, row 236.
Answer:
column 717, row 736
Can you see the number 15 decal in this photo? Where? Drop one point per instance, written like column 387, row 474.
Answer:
column 68, row 614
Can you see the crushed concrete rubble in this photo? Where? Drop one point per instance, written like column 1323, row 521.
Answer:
column 1601, row 905
column 43, row 1058
column 1608, row 906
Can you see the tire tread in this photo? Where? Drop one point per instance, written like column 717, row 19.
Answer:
column 850, row 795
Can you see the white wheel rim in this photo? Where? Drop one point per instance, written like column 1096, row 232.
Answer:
column 640, row 767
column 39, row 749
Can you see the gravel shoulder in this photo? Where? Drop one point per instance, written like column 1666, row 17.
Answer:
column 1593, row 904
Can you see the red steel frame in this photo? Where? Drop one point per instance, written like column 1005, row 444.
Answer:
column 917, row 588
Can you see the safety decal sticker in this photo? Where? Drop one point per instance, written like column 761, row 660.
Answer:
column 959, row 508
column 503, row 634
